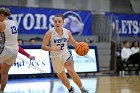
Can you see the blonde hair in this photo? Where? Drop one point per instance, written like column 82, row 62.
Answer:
column 5, row 11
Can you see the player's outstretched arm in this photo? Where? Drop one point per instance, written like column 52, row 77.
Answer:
column 45, row 43
column 23, row 52
column 72, row 40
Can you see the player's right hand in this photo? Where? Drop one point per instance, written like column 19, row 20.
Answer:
column 56, row 48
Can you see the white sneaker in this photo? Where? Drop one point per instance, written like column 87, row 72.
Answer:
column 84, row 90
column 71, row 92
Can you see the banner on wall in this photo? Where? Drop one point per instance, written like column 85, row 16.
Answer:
column 42, row 62
column 24, row 65
column 85, row 63
column 126, row 24
column 40, row 20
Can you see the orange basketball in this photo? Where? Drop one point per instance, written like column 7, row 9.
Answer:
column 82, row 48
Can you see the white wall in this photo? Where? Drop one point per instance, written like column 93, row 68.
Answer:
column 121, row 6
column 98, row 6
column 92, row 5
column 58, row 4
column 32, row 3
column 135, row 5
column 10, row 2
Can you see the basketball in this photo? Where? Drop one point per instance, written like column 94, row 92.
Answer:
column 82, row 48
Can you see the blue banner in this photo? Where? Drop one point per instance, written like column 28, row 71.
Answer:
column 40, row 20
column 126, row 24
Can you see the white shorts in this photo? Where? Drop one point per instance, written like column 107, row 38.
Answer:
column 9, row 55
column 58, row 61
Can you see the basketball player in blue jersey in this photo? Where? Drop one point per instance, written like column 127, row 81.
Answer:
column 61, row 57
column 8, row 45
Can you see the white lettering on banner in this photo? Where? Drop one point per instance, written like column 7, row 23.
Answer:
column 25, row 21
column 127, row 26
column 136, row 27
column 28, row 21
column 117, row 26
column 38, row 21
column 124, row 30
column 51, row 21
column 17, row 18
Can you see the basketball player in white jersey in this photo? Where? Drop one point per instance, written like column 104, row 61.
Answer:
column 61, row 57
column 8, row 45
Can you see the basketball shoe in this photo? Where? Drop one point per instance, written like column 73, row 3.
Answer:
column 83, row 90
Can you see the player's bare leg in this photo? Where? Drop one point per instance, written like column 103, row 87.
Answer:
column 4, row 75
column 63, row 77
column 0, row 72
column 0, row 67
column 70, row 68
column 75, row 77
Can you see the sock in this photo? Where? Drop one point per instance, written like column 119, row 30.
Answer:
column 81, row 88
column 70, row 89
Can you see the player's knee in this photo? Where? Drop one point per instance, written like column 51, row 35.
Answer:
column 4, row 73
column 71, row 71
column 62, row 77
column 65, row 80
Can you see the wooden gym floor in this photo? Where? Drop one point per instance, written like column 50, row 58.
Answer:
column 95, row 84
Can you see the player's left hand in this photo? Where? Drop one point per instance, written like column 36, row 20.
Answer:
column 32, row 57
column 76, row 44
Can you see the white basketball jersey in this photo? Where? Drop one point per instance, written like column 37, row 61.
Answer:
column 8, row 43
column 11, row 33
column 57, row 40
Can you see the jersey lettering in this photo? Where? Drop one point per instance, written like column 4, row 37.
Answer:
column 60, row 40
column 14, row 30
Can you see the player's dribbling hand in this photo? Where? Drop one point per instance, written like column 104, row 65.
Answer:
column 56, row 48
column 76, row 44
